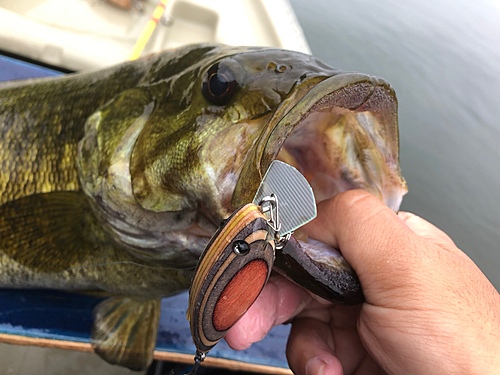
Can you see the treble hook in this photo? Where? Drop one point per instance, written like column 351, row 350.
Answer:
column 198, row 358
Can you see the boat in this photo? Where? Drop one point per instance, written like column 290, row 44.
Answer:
column 92, row 34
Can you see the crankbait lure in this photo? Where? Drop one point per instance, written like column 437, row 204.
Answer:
column 231, row 272
column 237, row 262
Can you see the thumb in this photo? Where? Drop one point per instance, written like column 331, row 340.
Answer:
column 385, row 250
column 426, row 230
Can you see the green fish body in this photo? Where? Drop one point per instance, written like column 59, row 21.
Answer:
column 115, row 180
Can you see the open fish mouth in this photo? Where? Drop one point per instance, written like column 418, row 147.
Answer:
column 341, row 134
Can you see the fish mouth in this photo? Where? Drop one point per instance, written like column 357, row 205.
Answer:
column 341, row 134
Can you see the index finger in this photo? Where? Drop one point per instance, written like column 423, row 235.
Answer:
column 380, row 247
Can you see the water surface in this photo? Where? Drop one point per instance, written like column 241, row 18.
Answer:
column 443, row 59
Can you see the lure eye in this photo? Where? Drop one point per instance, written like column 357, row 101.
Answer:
column 240, row 247
column 219, row 85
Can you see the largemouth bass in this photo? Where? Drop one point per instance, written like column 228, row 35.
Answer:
column 115, row 180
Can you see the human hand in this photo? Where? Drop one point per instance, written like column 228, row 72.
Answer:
column 428, row 309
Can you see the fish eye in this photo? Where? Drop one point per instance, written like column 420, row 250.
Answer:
column 219, row 85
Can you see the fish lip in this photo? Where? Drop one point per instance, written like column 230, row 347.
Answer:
column 284, row 122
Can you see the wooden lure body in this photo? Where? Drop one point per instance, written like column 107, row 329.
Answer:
column 230, row 275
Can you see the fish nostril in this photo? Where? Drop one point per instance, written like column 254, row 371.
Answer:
column 271, row 65
column 281, row 68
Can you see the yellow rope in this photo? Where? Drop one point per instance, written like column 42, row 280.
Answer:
column 148, row 30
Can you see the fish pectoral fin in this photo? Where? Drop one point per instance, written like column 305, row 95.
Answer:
column 125, row 329
column 45, row 232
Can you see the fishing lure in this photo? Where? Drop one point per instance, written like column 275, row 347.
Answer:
column 236, row 264
column 231, row 273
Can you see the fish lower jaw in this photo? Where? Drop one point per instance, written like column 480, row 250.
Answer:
column 321, row 253
column 320, row 269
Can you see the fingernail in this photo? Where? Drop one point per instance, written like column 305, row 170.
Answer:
column 315, row 366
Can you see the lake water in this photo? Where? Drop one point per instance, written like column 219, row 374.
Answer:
column 443, row 59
